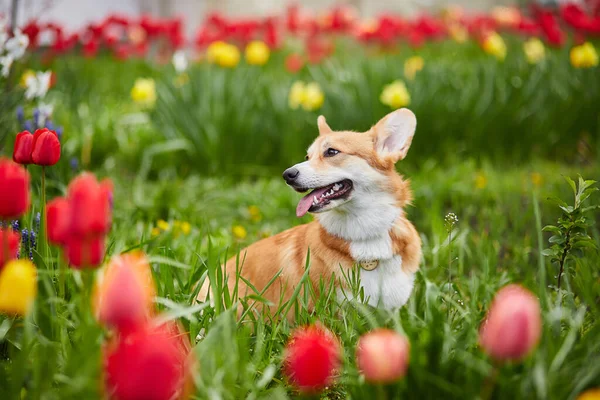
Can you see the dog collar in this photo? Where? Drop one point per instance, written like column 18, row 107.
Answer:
column 369, row 265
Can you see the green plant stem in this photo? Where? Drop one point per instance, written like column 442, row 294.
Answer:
column 43, row 242
column 563, row 257
column 487, row 389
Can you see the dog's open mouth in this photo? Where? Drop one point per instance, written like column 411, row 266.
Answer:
column 320, row 197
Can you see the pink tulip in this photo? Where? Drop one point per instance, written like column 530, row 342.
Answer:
column 513, row 324
column 382, row 356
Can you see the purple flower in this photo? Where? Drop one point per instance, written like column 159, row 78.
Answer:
column 20, row 114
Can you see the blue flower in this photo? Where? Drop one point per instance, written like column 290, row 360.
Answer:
column 20, row 114
column 59, row 132
column 15, row 225
column 74, row 164
column 28, row 126
column 36, row 117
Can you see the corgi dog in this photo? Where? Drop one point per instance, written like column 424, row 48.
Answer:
column 358, row 201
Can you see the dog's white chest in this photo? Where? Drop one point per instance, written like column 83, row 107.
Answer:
column 387, row 285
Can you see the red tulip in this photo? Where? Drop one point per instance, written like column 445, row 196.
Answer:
column 294, row 63
column 81, row 221
column 125, row 292
column 382, row 356
column 57, row 222
column 311, row 358
column 513, row 325
column 23, row 148
column 90, row 206
column 14, row 196
column 85, row 252
column 151, row 363
column 13, row 239
column 46, row 147
column 90, row 48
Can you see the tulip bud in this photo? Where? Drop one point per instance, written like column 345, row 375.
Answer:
column 311, row 358
column 18, row 287
column 382, row 356
column 14, row 195
column 46, row 147
column 90, row 205
column 513, row 324
column 151, row 363
column 57, row 220
column 9, row 240
column 23, row 148
column 125, row 292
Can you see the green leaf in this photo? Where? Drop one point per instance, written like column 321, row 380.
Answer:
column 548, row 252
column 571, row 183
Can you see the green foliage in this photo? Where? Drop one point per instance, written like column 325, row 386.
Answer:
column 570, row 234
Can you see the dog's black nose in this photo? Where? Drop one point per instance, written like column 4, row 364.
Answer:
column 290, row 174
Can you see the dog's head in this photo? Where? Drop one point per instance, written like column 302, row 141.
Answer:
column 344, row 167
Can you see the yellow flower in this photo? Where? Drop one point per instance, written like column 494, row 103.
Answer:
column 27, row 75
column 591, row 394
column 534, row 50
column 413, row 65
column 297, row 94
column 18, row 287
column 239, row 232
column 537, row 179
column 144, row 91
column 181, row 79
column 155, row 232
column 584, row 56
column 257, row 53
column 223, row 54
column 313, row 98
column 182, row 226
column 308, row 96
column 494, row 45
column 255, row 214
column 163, row 225
column 395, row 95
column 480, row 181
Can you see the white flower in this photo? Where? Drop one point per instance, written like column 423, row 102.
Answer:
column 38, row 85
column 45, row 113
column 16, row 45
column 6, row 62
column 180, row 61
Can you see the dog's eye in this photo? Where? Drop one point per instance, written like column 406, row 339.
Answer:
column 330, row 152
column 306, row 158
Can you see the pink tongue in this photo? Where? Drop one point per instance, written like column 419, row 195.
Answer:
column 305, row 202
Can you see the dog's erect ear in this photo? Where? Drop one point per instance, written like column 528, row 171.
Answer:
column 323, row 127
column 394, row 134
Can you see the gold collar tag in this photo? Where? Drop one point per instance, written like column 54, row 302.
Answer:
column 369, row 265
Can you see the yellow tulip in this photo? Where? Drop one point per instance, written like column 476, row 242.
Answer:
column 534, row 50
column 296, row 95
column 257, row 53
column 413, row 65
column 144, row 91
column 591, row 394
column 313, row 98
column 494, row 45
column 18, row 287
column 239, row 232
column 395, row 95
column 584, row 56
column 223, row 54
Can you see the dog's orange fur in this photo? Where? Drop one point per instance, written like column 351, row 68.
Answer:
column 287, row 251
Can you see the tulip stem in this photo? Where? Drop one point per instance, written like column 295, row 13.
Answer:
column 487, row 389
column 43, row 251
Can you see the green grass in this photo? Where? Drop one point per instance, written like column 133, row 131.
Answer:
column 492, row 142
column 496, row 241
